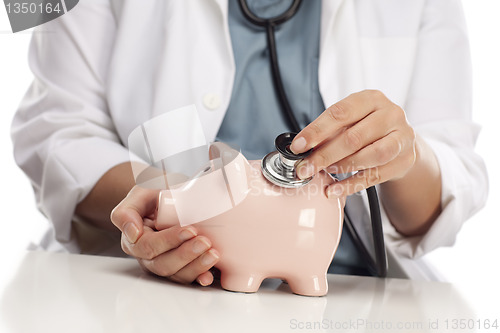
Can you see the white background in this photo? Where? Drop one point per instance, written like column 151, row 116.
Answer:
column 472, row 264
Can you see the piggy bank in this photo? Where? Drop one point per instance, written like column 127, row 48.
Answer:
column 261, row 230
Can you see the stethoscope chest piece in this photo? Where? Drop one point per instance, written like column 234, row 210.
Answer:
column 279, row 167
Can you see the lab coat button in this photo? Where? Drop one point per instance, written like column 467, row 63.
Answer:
column 211, row 101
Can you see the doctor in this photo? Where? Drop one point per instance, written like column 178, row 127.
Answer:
column 381, row 87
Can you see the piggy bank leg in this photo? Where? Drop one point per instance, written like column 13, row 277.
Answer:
column 313, row 285
column 241, row 281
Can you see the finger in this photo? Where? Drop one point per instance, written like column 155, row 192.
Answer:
column 371, row 177
column 154, row 243
column 376, row 154
column 357, row 182
column 341, row 114
column 373, row 127
column 169, row 263
column 198, row 269
column 149, row 222
column 205, row 278
column 128, row 215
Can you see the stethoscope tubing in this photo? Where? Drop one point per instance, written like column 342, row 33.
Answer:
column 278, row 82
column 269, row 25
column 274, row 21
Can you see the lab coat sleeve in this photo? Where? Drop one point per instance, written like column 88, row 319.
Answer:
column 64, row 138
column 439, row 108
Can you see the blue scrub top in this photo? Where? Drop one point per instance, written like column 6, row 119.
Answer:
column 254, row 119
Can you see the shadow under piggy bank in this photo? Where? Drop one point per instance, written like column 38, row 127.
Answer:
column 261, row 230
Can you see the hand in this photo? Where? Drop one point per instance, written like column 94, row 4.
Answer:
column 176, row 252
column 364, row 132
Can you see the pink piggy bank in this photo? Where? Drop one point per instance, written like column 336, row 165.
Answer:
column 261, row 230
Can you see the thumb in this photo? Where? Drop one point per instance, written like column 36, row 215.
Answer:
column 129, row 214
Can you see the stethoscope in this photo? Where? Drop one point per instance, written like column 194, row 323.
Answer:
column 278, row 166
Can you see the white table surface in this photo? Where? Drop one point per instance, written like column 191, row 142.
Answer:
column 54, row 292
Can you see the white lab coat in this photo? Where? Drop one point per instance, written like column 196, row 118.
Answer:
column 108, row 66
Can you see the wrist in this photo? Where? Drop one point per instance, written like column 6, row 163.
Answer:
column 413, row 202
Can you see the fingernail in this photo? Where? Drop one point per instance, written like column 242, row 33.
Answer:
column 200, row 246
column 131, row 232
column 335, row 191
column 305, row 170
column 186, row 234
column 333, row 169
column 201, row 282
column 205, row 280
column 210, row 258
column 298, row 145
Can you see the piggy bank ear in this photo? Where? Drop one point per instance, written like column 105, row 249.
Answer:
column 223, row 151
column 166, row 215
column 235, row 169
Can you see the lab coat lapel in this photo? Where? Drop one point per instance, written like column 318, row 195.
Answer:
column 197, row 62
column 223, row 5
column 340, row 65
